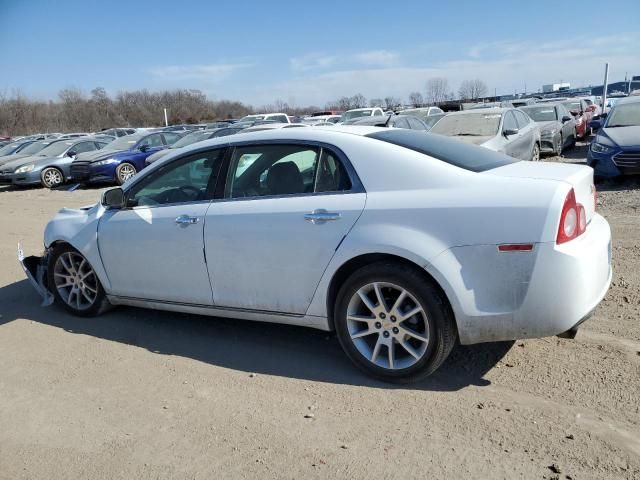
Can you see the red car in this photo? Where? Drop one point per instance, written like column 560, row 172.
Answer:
column 582, row 113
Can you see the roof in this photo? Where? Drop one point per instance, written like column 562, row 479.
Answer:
column 482, row 111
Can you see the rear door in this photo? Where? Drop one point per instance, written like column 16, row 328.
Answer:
column 285, row 211
column 514, row 144
column 527, row 130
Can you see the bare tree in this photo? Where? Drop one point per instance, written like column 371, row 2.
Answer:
column 391, row 103
column 358, row 101
column 437, row 88
column 472, row 89
column 375, row 102
column 344, row 103
column 415, row 99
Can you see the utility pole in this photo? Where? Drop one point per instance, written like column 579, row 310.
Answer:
column 166, row 122
column 604, row 88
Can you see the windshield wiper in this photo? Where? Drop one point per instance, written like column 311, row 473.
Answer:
column 469, row 135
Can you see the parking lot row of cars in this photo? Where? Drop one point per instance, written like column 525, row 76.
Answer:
column 523, row 130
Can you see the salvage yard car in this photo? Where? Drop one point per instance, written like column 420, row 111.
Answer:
column 51, row 166
column 557, row 126
column 505, row 130
column 121, row 159
column 400, row 241
column 615, row 150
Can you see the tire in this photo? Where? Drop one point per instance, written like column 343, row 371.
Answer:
column 430, row 333
column 51, row 177
column 68, row 270
column 124, row 172
column 535, row 154
column 573, row 140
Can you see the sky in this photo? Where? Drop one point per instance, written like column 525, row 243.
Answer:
column 311, row 52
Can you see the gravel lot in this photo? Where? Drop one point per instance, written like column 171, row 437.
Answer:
column 139, row 394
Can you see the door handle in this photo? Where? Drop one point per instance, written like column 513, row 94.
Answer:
column 187, row 220
column 321, row 216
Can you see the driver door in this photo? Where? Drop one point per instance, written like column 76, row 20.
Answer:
column 153, row 249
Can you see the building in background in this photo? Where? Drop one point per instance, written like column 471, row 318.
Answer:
column 556, row 87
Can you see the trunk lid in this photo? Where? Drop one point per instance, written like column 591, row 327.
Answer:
column 578, row 176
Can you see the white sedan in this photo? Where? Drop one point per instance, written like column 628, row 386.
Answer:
column 402, row 242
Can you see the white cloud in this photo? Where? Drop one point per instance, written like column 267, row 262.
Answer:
column 312, row 61
column 505, row 66
column 216, row 71
column 322, row 61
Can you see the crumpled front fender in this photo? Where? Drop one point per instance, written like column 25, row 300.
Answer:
column 36, row 270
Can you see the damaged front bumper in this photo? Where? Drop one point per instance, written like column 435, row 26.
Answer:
column 36, row 270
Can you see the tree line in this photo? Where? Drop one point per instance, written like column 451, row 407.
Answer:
column 74, row 110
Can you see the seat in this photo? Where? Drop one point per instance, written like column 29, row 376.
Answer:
column 284, row 178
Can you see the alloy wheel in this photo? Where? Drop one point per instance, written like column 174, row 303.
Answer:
column 75, row 281
column 388, row 326
column 51, row 177
column 125, row 172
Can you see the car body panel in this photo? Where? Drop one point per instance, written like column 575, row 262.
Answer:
column 445, row 219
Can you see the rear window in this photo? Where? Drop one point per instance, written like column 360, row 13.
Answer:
column 448, row 150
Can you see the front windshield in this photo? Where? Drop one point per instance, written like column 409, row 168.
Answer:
column 575, row 106
column 541, row 114
column 191, row 138
column 431, row 120
column 624, row 116
column 9, row 149
column 421, row 113
column 470, row 124
column 355, row 114
column 123, row 143
column 35, row 147
column 55, row 149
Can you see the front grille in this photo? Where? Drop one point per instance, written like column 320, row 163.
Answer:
column 80, row 170
column 628, row 159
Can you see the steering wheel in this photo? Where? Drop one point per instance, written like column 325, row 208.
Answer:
column 186, row 189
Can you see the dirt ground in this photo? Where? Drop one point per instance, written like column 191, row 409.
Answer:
column 149, row 395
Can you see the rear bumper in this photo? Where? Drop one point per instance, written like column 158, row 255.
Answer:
column 509, row 296
column 35, row 269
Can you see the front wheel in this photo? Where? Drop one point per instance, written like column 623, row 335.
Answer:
column 557, row 150
column 74, row 283
column 124, row 172
column 393, row 323
column 51, row 177
column 535, row 154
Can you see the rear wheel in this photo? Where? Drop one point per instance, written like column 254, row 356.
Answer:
column 74, row 283
column 124, row 172
column 393, row 323
column 535, row 154
column 557, row 149
column 51, row 177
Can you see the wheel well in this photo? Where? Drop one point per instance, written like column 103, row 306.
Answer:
column 347, row 269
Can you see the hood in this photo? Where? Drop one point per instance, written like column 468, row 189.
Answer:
column 8, row 158
column 472, row 139
column 623, row 136
column 97, row 155
column 549, row 125
column 13, row 164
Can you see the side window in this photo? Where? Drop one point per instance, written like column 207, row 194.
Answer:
column 261, row 170
column 152, row 141
column 377, row 113
column 189, row 179
column 83, row 147
column 171, row 138
column 435, row 110
column 521, row 118
column 100, row 145
column 280, row 118
column 509, row 122
column 331, row 176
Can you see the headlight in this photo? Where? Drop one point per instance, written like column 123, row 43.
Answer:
column 103, row 162
column 599, row 148
column 25, row 168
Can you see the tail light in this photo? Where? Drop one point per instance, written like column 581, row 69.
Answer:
column 573, row 220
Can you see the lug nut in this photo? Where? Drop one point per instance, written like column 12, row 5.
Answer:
column 385, row 334
column 393, row 319
column 378, row 325
column 383, row 316
column 395, row 330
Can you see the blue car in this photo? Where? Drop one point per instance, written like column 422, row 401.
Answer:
column 121, row 159
column 615, row 150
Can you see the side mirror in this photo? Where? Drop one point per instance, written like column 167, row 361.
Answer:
column 575, row 113
column 71, row 153
column 143, row 148
column 113, row 198
column 566, row 119
column 510, row 131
